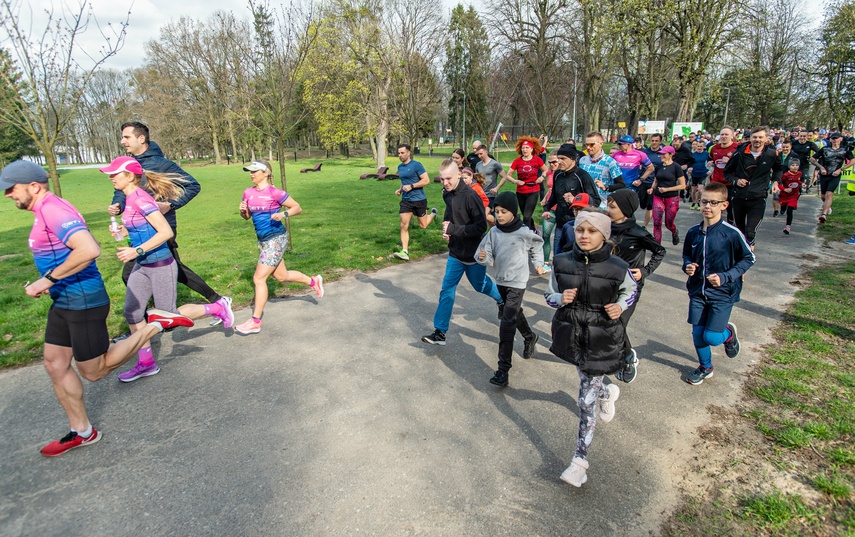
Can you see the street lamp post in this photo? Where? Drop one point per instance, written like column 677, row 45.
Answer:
column 464, row 118
column 575, row 76
column 726, row 106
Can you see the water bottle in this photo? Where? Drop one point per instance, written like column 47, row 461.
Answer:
column 114, row 229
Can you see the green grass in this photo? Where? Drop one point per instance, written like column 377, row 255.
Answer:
column 802, row 399
column 347, row 225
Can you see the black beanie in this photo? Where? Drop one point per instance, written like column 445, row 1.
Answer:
column 626, row 200
column 569, row 151
column 508, row 201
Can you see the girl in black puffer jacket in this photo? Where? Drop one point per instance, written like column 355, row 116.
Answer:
column 591, row 288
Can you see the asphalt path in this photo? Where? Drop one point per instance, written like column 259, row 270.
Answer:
column 337, row 420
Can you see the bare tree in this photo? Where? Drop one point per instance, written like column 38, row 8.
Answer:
column 52, row 71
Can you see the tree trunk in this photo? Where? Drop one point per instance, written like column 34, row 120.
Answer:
column 215, row 139
column 232, row 137
column 50, row 160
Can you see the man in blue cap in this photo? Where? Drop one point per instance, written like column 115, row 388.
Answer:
column 635, row 166
column 65, row 252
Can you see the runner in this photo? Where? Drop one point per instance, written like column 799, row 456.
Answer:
column 789, row 191
column 155, row 272
column 509, row 247
column 64, row 252
column 491, row 169
column 631, row 162
column 670, row 180
column 567, row 182
column 413, row 200
column 720, row 154
column 831, row 161
column 590, row 289
column 603, row 169
column 261, row 203
column 805, row 149
column 135, row 140
column 530, row 170
column 715, row 256
column 463, row 226
column 749, row 170
column 700, row 171
column 548, row 225
column 645, row 200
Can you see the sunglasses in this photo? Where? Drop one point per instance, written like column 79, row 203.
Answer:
column 553, row 162
column 591, row 145
column 712, row 203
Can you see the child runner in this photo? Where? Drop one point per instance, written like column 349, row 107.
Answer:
column 509, row 246
column 476, row 181
column 670, row 179
column 591, row 288
column 631, row 241
column 715, row 256
column 155, row 273
column 262, row 202
column 789, row 191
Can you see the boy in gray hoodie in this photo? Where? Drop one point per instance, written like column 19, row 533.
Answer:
column 508, row 247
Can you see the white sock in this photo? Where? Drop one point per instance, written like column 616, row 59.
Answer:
column 85, row 434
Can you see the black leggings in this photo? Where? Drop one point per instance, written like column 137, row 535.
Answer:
column 748, row 215
column 624, row 320
column 512, row 320
column 528, row 203
column 789, row 209
column 185, row 275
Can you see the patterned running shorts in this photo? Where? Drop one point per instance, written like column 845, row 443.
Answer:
column 271, row 251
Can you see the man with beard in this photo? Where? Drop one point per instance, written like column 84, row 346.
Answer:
column 831, row 161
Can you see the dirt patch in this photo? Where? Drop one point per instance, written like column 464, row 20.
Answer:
column 9, row 256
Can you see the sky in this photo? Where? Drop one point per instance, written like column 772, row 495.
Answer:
column 146, row 19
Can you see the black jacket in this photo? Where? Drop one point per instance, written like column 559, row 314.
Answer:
column 759, row 172
column 468, row 221
column 632, row 241
column 152, row 160
column 575, row 181
column 582, row 332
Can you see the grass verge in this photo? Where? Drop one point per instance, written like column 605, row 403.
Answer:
column 790, row 448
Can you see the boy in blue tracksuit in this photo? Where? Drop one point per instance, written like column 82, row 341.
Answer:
column 715, row 256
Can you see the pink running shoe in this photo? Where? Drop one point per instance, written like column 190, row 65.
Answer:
column 167, row 319
column 227, row 315
column 139, row 371
column 319, row 286
column 249, row 327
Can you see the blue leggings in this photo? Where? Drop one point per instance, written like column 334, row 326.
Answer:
column 703, row 339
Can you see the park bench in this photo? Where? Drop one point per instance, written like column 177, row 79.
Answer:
column 380, row 171
column 317, row 168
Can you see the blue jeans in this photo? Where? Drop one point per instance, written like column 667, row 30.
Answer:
column 454, row 271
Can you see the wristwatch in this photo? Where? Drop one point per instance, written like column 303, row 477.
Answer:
column 140, row 252
column 50, row 278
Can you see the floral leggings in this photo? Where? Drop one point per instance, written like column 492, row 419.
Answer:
column 590, row 389
column 667, row 207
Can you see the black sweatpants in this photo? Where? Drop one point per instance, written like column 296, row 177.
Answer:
column 512, row 320
column 624, row 320
column 185, row 275
column 748, row 215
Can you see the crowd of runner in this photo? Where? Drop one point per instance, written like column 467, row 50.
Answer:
column 595, row 252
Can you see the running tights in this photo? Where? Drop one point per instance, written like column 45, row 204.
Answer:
column 590, row 389
column 666, row 207
column 528, row 203
column 703, row 339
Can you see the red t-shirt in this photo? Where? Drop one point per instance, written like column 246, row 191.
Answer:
column 719, row 156
column 527, row 171
column 793, row 181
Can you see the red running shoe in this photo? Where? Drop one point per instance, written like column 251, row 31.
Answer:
column 167, row 319
column 68, row 442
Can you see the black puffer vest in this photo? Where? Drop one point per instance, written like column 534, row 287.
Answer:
column 582, row 332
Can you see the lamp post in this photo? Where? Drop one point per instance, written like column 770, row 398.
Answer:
column 575, row 76
column 464, row 118
column 726, row 106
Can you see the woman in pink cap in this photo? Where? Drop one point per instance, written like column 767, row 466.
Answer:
column 531, row 171
column 670, row 180
column 155, row 273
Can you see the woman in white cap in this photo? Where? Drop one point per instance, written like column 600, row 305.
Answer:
column 262, row 203
column 155, row 272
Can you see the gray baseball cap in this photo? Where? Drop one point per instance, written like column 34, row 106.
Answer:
column 22, row 172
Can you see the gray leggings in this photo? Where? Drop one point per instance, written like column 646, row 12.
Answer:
column 590, row 389
column 144, row 283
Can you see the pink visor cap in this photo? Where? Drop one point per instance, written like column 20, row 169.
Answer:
column 123, row 164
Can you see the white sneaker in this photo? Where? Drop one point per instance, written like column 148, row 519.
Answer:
column 576, row 474
column 607, row 405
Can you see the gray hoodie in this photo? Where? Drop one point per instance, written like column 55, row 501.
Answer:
column 509, row 253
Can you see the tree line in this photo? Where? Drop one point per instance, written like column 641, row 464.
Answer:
column 336, row 73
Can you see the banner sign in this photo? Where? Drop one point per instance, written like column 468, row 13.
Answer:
column 651, row 127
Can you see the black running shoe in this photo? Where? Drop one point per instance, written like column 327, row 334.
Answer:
column 126, row 335
column 675, row 238
column 437, row 338
column 528, row 350
column 731, row 346
column 500, row 378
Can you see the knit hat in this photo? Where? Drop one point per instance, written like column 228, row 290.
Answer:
column 508, row 201
column 599, row 220
column 626, row 200
column 569, row 151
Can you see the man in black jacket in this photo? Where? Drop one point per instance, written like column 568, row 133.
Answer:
column 463, row 226
column 135, row 139
column 567, row 182
column 749, row 171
